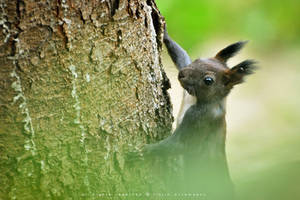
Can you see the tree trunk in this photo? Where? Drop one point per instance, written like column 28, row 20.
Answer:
column 81, row 82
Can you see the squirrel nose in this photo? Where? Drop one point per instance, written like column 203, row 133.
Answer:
column 180, row 75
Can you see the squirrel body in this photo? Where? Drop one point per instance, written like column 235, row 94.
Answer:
column 201, row 126
column 206, row 84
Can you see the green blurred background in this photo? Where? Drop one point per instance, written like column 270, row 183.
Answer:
column 263, row 114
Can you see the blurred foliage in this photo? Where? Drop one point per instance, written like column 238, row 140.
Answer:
column 267, row 21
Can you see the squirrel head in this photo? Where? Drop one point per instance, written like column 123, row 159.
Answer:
column 211, row 79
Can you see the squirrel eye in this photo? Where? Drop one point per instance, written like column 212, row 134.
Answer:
column 208, row 80
column 241, row 70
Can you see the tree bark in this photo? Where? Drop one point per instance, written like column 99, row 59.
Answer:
column 81, row 82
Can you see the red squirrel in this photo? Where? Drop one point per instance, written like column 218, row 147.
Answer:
column 201, row 131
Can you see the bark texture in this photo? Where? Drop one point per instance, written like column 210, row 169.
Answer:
column 81, row 82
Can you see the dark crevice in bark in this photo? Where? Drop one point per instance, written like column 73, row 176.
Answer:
column 20, row 4
column 146, row 22
column 137, row 13
column 166, row 83
column 157, row 26
column 119, row 38
column 91, row 53
column 129, row 9
column 156, row 20
column 81, row 17
column 165, row 86
column 61, row 30
column 114, row 6
column 103, row 28
column 20, row 8
column 157, row 112
column 57, row 8
column 137, row 93
column 136, row 66
column 149, row 2
column 134, row 13
column 13, row 46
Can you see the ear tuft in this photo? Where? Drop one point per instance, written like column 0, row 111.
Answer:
column 237, row 73
column 246, row 67
column 230, row 51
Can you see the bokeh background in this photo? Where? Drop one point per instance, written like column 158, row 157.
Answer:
column 263, row 114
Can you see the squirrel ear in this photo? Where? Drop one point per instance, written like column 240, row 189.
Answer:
column 236, row 74
column 230, row 51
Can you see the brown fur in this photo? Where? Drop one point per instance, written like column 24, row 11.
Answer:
column 200, row 137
